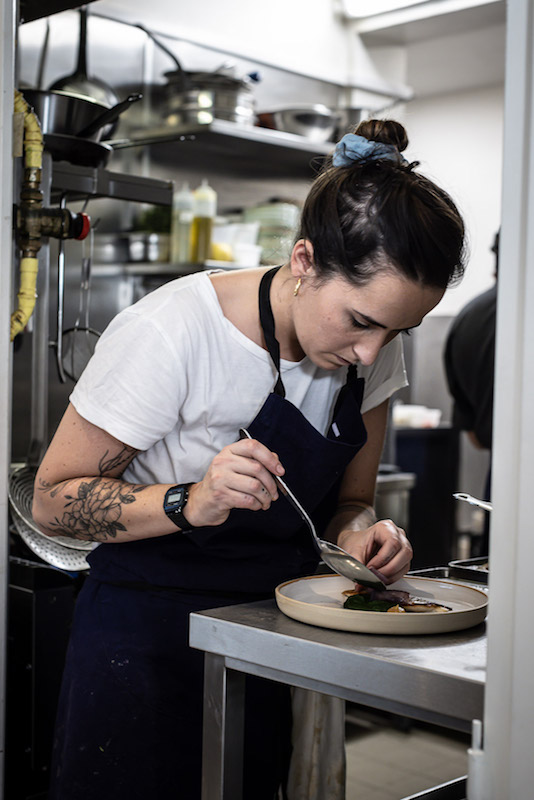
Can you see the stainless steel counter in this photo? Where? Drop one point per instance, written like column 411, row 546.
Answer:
column 437, row 679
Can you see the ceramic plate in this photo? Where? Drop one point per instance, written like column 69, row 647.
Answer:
column 318, row 600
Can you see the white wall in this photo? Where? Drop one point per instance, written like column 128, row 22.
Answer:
column 455, row 126
column 458, row 139
column 307, row 38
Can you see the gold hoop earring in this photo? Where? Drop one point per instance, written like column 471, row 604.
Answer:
column 297, row 287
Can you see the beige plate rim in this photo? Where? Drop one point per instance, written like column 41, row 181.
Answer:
column 339, row 618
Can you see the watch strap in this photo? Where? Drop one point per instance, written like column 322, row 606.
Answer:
column 175, row 511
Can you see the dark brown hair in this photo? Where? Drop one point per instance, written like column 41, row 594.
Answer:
column 376, row 214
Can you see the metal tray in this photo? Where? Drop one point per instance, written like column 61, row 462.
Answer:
column 470, row 569
column 472, row 576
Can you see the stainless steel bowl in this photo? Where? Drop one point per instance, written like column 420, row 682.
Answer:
column 316, row 122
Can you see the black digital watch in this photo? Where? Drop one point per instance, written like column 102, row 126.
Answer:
column 174, row 503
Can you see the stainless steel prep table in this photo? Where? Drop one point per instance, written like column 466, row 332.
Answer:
column 434, row 678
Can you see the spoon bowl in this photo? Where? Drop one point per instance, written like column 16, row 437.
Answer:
column 333, row 556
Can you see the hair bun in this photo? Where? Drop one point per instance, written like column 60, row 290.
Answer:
column 386, row 131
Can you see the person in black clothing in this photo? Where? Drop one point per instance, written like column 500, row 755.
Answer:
column 149, row 465
column 469, row 367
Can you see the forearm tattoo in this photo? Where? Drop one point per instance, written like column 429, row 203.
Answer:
column 94, row 507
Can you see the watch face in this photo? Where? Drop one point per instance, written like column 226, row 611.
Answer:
column 175, row 495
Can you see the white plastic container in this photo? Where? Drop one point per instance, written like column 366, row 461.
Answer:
column 278, row 225
column 246, row 255
column 204, row 211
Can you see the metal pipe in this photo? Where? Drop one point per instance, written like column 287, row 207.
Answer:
column 60, row 300
column 40, row 341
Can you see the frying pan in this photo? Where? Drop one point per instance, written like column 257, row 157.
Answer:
column 82, row 152
column 69, row 114
column 79, row 81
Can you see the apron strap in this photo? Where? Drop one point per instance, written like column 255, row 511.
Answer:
column 267, row 324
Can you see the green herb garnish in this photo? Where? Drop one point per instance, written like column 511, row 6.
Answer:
column 359, row 602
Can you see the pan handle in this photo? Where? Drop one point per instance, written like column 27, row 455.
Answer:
column 184, row 78
column 108, row 116
column 81, row 65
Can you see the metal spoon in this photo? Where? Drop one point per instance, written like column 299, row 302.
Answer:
column 335, row 557
column 473, row 501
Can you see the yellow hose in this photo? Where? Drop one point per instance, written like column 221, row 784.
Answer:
column 33, row 159
column 26, row 296
column 33, row 137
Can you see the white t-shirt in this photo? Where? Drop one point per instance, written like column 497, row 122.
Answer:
column 174, row 378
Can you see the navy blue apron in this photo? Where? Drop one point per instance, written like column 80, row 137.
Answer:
column 130, row 712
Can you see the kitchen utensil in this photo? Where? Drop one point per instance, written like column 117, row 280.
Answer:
column 318, row 600
column 110, row 248
column 314, row 122
column 200, row 97
column 143, row 246
column 180, row 76
column 63, row 112
column 473, row 501
column 43, row 57
column 20, row 494
column 470, row 569
column 79, row 81
column 69, row 114
column 82, row 152
column 80, row 341
column 209, row 96
column 335, row 557
column 48, row 550
column 108, row 117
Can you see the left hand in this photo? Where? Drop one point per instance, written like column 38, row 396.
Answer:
column 383, row 546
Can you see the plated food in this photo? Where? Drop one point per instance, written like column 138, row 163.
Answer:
column 362, row 598
column 318, row 600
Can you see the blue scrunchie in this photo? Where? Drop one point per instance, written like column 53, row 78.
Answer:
column 357, row 148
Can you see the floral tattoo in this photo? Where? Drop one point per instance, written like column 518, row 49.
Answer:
column 93, row 511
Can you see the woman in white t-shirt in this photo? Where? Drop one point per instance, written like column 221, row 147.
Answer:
column 148, row 463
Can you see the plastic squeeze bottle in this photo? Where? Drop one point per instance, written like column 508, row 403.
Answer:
column 182, row 218
column 204, row 210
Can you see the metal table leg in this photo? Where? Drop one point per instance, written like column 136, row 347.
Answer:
column 223, row 731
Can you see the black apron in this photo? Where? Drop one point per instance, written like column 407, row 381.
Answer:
column 130, row 715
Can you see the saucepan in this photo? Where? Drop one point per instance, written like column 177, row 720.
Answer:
column 202, row 96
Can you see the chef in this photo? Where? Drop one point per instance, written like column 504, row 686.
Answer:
column 147, row 462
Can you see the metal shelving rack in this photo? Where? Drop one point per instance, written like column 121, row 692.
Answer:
column 221, row 144
column 81, row 182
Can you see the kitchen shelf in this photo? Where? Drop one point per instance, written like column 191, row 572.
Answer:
column 145, row 269
column 246, row 149
column 81, row 182
column 36, row 9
